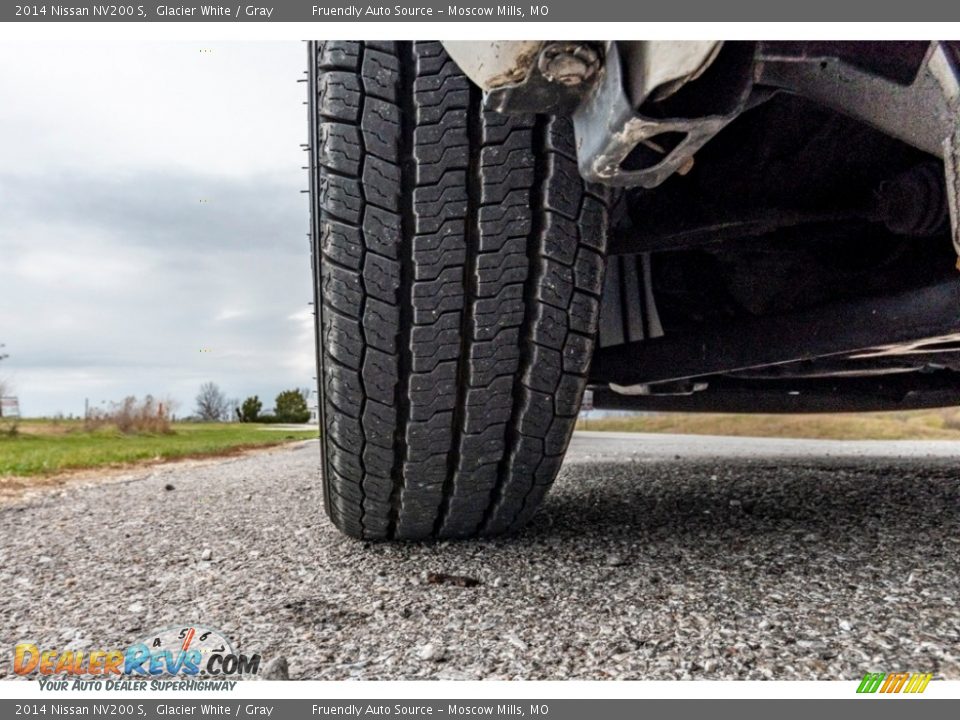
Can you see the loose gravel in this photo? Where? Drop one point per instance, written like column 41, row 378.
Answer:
column 641, row 565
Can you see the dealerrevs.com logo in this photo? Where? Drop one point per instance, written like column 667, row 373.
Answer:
column 191, row 651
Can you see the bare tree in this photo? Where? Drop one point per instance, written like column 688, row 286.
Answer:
column 212, row 404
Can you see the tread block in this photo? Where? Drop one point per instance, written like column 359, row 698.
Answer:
column 381, row 183
column 342, row 339
column 380, row 72
column 588, row 271
column 380, row 127
column 342, row 197
column 338, row 55
column 381, row 325
column 584, row 314
column 340, row 148
column 577, row 351
column 381, row 277
column 339, row 95
column 341, row 290
column 379, row 375
column 556, row 284
column 381, row 231
column 341, row 243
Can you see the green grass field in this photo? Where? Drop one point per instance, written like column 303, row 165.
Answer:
column 915, row 425
column 46, row 448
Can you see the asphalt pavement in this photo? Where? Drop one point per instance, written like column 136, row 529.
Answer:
column 655, row 557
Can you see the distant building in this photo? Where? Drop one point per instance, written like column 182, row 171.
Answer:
column 9, row 406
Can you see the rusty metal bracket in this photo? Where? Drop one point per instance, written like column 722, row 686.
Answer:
column 632, row 133
column 518, row 77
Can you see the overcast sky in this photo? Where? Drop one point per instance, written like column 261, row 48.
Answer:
column 150, row 209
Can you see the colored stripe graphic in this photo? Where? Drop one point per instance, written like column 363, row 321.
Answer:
column 870, row 683
column 918, row 683
column 894, row 682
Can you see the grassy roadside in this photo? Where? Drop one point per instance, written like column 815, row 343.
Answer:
column 941, row 424
column 47, row 448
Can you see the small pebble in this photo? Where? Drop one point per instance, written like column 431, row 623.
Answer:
column 430, row 653
column 276, row 669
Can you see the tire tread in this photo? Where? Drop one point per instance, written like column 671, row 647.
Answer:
column 460, row 266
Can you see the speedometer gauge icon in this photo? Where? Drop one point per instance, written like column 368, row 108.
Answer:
column 201, row 641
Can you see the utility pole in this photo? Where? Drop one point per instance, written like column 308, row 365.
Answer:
column 3, row 356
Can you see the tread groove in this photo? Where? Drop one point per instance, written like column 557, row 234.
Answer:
column 363, row 304
column 472, row 243
column 505, row 470
column 407, row 77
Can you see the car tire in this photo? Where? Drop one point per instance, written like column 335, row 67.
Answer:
column 458, row 264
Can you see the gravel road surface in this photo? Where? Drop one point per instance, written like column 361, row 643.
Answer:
column 655, row 557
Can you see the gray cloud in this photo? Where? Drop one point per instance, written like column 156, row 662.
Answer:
column 114, row 274
column 165, row 209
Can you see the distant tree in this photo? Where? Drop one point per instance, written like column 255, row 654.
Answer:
column 250, row 410
column 212, row 404
column 291, row 406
